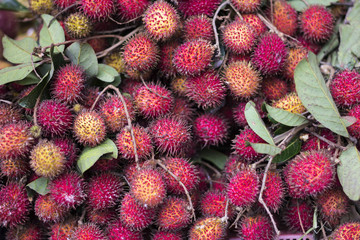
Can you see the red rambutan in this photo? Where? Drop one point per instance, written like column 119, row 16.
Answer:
column 314, row 143
column 347, row 231
column 296, row 54
column 253, row 20
column 197, row 7
column 97, row 10
column 241, row 147
column 86, row 232
column 274, row 192
column 25, row 232
column 209, row 228
column 285, row 17
column 213, row 204
column 63, row 230
column 116, row 230
column 274, row 88
column 346, row 81
column 183, row 109
column 298, row 215
column 233, row 164
column 162, row 235
column 239, row 115
column 9, row 114
column 166, row 66
column 354, row 129
column 14, row 167
column 310, row 46
column 101, row 217
column 246, row 6
column 68, row 148
column 47, row 210
column 199, row 26
column 64, row 3
column 239, row 37
column 130, row 9
column 257, row 227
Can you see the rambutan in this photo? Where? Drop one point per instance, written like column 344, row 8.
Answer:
column 239, row 115
column 162, row 235
column 198, row 7
column 131, row 169
column 62, row 230
column 274, row 192
column 98, row 44
column 69, row 83
column 210, row 129
column 54, row 117
column 9, row 114
column 183, row 109
column 14, row 167
column 155, row 102
column 41, row 6
column 141, row 53
column 354, row 129
column 174, row 214
column 78, row 25
column 47, row 210
column 25, row 232
column 64, row 3
column 274, row 88
column 314, row 143
column 68, row 148
column 209, row 228
column 317, row 23
column 246, row 6
column 14, row 204
column 161, row 20
column 298, row 215
column 257, row 227
column 347, row 231
column 129, row 9
column 15, row 140
column 296, row 54
column 193, row 57
column 291, row 103
column 213, row 204
column 199, row 26
column 89, row 128
column 97, row 10
column 166, row 66
column 115, row 60
column 68, row 190
column 270, row 54
column 170, row 135
column 124, row 143
column 242, row 79
column 148, row 187
column 130, row 86
column 239, row 37
column 346, row 81
column 101, row 217
column 253, row 20
column 233, row 164
column 116, row 230
column 243, row 188
column 185, row 172
column 88, row 231
column 133, row 215
column 242, row 148
column 284, row 17
column 104, row 191
column 178, row 85
column 309, row 174
column 47, row 159
column 206, row 90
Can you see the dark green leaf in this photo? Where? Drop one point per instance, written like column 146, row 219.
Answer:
column 281, row 130
column 265, row 148
column 40, row 185
column 215, row 157
column 19, row 51
column 285, row 117
column 83, row 54
column 256, row 123
column 51, row 33
column 16, row 73
column 12, row 5
column 348, row 172
column 299, row 5
column 292, row 149
column 89, row 156
column 316, row 97
column 106, row 73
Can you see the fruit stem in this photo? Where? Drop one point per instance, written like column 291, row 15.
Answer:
column 331, row 144
column 261, row 200
column 226, row 218
column 217, row 42
column 147, row 87
column 158, row 162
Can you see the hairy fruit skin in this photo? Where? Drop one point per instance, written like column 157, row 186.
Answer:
column 316, row 175
column 291, row 103
column 78, row 25
column 162, row 235
column 285, row 17
column 317, row 23
column 274, row 88
column 64, row 3
column 116, row 230
column 314, row 143
column 253, row 20
column 47, row 210
column 213, row 204
column 296, row 210
column 128, row 9
column 41, row 6
column 14, row 167
column 347, row 231
column 274, row 192
column 257, row 227
column 174, row 214
column 166, row 66
column 28, row 231
column 97, row 10
column 354, row 129
column 9, row 114
column 296, row 54
column 346, row 81
column 199, row 26
column 239, row 37
column 88, row 231
column 63, row 230
column 209, row 228
column 240, row 146
column 197, row 7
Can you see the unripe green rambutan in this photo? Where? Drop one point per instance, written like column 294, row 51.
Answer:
column 78, row 25
column 41, row 6
column 47, row 159
column 89, row 128
column 291, row 103
column 209, row 228
column 239, row 37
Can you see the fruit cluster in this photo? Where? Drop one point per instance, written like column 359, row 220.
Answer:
column 184, row 89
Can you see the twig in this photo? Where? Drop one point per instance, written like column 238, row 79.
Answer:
column 217, row 41
column 33, row 66
column 261, row 200
column 295, row 130
column 272, row 10
column 6, row 101
column 226, row 218
column 299, row 215
column 182, row 185
column 331, row 144
column 123, row 23
column 258, row 162
column 116, row 30
column 238, row 216
column 323, row 230
column 274, row 29
column 80, row 222
column 217, row 173
column 152, row 91
column 236, row 11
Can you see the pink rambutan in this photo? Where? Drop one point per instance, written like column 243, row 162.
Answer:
column 64, row 3
column 54, row 118
column 25, row 232
column 9, row 114
column 14, row 167
column 298, row 215
column 208, row 228
column 254, row 21
column 101, row 217
column 199, row 26
column 314, row 143
column 242, row 148
column 97, row 10
column 129, row 9
column 270, row 54
column 88, row 231
column 91, row 94
column 274, row 88
column 246, row 6
column 233, row 164
column 239, row 37
column 116, row 230
column 213, row 203
column 346, row 81
column 104, row 191
column 47, row 210
column 162, row 235
column 354, row 129
column 62, row 230
column 239, row 115
column 257, row 227
column 285, row 17
column 347, row 231
column 183, row 109
column 210, row 129
column 166, row 66
column 274, row 192
column 243, row 188
column 309, row 174
column 68, row 148
column 206, row 90
column 197, row 7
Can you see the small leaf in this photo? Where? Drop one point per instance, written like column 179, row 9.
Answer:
column 292, row 149
column 89, row 156
column 51, row 34
column 16, row 73
column 83, row 54
column 285, row 117
column 19, row 51
column 215, row 157
column 256, row 123
column 264, row 148
column 106, row 73
column 316, row 97
column 12, row 5
column 299, row 5
column 40, row 185
column 348, row 172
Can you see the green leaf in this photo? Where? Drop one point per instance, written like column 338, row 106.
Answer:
column 349, row 38
column 106, row 73
column 40, row 185
column 330, row 46
column 29, row 80
column 265, row 148
column 89, row 156
column 285, row 117
column 354, row 15
column 83, row 54
column 348, row 172
column 256, row 123
column 12, row 5
column 349, row 120
column 19, row 51
column 299, row 5
column 215, row 157
column 316, row 97
column 51, row 33
column 16, row 73
column 292, row 149
column 281, row 130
